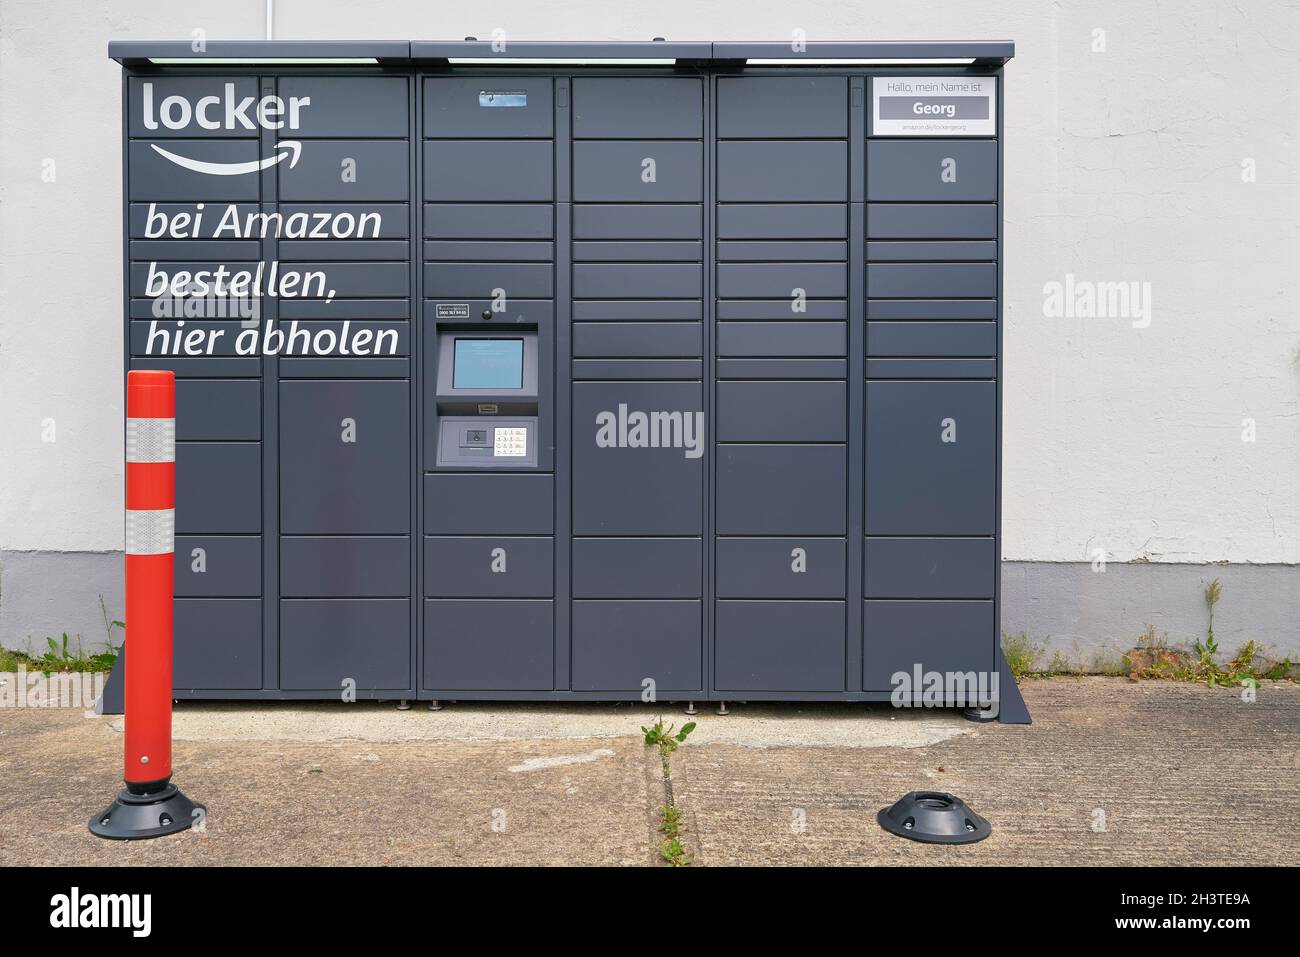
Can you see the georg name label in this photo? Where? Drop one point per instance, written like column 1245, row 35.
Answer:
column 934, row 106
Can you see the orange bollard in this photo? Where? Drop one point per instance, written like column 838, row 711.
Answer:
column 150, row 805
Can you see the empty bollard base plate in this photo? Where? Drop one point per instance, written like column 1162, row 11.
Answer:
column 934, row 817
column 133, row 817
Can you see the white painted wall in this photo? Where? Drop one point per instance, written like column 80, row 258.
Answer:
column 1121, row 165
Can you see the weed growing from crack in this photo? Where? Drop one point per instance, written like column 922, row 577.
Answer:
column 666, row 739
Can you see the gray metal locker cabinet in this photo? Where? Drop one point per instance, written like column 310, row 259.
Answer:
column 295, row 556
column 691, row 380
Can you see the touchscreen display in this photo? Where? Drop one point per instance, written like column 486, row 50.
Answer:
column 488, row 364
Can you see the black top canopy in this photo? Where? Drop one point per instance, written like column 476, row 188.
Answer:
column 475, row 52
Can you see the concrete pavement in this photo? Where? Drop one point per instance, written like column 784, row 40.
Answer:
column 1111, row 772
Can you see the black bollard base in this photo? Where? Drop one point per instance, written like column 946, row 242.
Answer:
column 134, row 817
column 934, row 817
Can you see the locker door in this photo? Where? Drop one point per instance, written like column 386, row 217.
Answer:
column 345, row 522
column 345, row 457
column 931, row 458
column 638, row 464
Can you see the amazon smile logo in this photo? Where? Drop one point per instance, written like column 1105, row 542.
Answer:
column 293, row 148
column 227, row 111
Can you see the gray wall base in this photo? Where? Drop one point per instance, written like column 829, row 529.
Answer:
column 47, row 593
column 1091, row 618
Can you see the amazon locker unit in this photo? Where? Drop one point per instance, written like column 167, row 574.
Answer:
column 575, row 370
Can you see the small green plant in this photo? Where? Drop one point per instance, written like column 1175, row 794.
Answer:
column 1240, row 671
column 1021, row 653
column 60, row 656
column 1283, row 669
column 57, row 657
column 671, row 850
column 1208, row 649
column 13, row 660
column 109, row 625
column 103, row 661
column 1062, row 665
column 670, row 820
column 1152, row 657
column 671, row 827
column 666, row 739
column 663, row 738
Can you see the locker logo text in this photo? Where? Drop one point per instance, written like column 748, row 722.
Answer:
column 626, row 429
column 175, row 112
column 226, row 112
